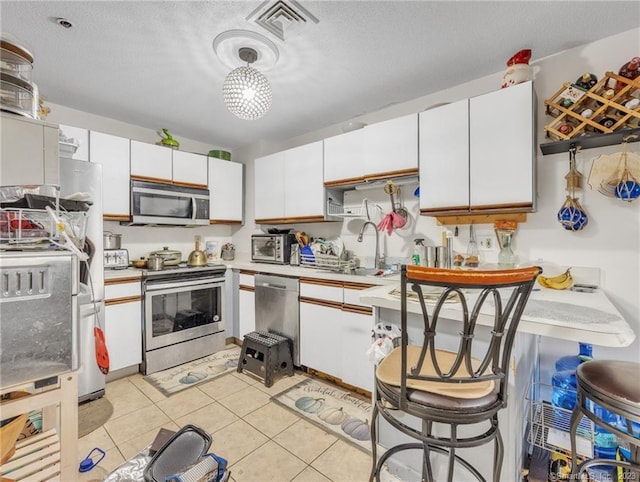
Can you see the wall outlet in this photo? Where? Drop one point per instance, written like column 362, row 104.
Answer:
column 486, row 241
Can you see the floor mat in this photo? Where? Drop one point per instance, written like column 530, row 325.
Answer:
column 342, row 413
column 92, row 415
column 204, row 369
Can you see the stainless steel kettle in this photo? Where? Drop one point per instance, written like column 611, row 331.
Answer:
column 197, row 257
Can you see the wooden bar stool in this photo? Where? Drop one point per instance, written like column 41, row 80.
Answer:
column 460, row 392
column 615, row 386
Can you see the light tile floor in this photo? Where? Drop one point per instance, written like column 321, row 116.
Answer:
column 261, row 440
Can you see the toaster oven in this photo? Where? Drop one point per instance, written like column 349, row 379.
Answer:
column 271, row 248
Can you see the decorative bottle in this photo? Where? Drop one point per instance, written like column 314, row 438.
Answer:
column 586, row 81
column 630, row 70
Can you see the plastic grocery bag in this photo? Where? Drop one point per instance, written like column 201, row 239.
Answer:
column 384, row 335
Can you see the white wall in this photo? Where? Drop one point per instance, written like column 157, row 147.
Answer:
column 611, row 241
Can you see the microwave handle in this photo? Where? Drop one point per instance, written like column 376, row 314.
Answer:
column 193, row 209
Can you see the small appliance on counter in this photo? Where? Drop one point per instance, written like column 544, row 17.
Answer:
column 272, row 248
column 116, row 258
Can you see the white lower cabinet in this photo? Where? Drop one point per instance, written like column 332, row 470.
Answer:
column 123, row 323
column 335, row 331
column 246, row 303
column 357, row 370
column 320, row 340
column 246, row 311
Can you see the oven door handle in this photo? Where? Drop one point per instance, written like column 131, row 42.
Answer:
column 181, row 284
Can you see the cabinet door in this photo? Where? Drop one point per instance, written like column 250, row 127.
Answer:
column 81, row 136
column 226, row 194
column 112, row 153
column 246, row 312
column 344, row 157
column 28, row 151
column 502, row 153
column 444, row 158
column 269, row 189
column 320, row 339
column 391, row 146
column 189, row 168
column 123, row 334
column 150, row 161
column 355, row 334
column 303, row 185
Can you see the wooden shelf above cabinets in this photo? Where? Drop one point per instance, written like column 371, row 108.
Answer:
column 480, row 218
column 590, row 142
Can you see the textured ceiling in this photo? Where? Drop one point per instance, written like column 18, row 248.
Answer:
column 152, row 63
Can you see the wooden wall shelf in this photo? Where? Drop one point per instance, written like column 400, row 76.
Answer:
column 480, row 218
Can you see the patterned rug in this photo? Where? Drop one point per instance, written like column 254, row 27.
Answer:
column 204, row 369
column 344, row 414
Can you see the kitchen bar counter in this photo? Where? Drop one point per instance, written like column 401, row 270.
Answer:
column 564, row 314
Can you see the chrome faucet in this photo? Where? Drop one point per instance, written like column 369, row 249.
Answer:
column 378, row 258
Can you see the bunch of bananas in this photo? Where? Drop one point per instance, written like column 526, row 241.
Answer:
column 559, row 282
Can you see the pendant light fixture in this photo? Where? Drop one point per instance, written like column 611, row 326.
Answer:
column 246, row 91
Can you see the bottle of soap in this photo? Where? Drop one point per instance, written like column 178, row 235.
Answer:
column 418, row 251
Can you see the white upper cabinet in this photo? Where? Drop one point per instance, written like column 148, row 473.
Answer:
column 28, row 151
column 189, row 169
column 288, row 186
column 378, row 151
column 269, row 187
column 304, row 189
column 391, row 147
column 444, row 157
column 81, row 138
column 478, row 155
column 225, row 191
column 502, row 155
column 151, row 161
column 159, row 163
column 344, row 157
column 112, row 153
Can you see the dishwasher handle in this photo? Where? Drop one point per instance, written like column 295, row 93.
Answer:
column 264, row 284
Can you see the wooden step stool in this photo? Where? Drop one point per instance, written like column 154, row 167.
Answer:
column 266, row 355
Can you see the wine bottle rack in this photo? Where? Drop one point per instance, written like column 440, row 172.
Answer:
column 609, row 115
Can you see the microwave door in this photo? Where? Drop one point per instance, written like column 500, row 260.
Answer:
column 158, row 207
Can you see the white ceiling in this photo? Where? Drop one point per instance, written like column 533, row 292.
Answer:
column 152, row 63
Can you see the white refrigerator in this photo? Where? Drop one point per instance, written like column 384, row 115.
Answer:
column 86, row 177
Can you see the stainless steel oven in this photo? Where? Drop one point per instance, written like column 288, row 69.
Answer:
column 183, row 315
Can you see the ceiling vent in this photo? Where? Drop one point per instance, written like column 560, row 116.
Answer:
column 279, row 16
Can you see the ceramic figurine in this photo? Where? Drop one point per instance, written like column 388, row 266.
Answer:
column 518, row 70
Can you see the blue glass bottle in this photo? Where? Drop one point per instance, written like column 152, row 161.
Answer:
column 571, row 362
column 564, row 379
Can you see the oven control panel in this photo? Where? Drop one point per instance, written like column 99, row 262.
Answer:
column 116, row 258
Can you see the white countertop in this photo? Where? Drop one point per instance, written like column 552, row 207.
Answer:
column 564, row 314
column 303, row 272
column 284, row 270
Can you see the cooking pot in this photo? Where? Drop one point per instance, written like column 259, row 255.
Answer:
column 171, row 257
column 112, row 241
column 155, row 262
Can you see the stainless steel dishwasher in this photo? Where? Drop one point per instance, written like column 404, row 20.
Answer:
column 277, row 308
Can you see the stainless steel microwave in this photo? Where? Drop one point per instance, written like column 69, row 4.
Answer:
column 271, row 248
column 157, row 203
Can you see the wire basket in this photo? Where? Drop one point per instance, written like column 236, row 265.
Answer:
column 36, row 228
column 549, row 425
column 327, row 262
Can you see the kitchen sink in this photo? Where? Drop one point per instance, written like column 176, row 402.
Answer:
column 377, row 272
